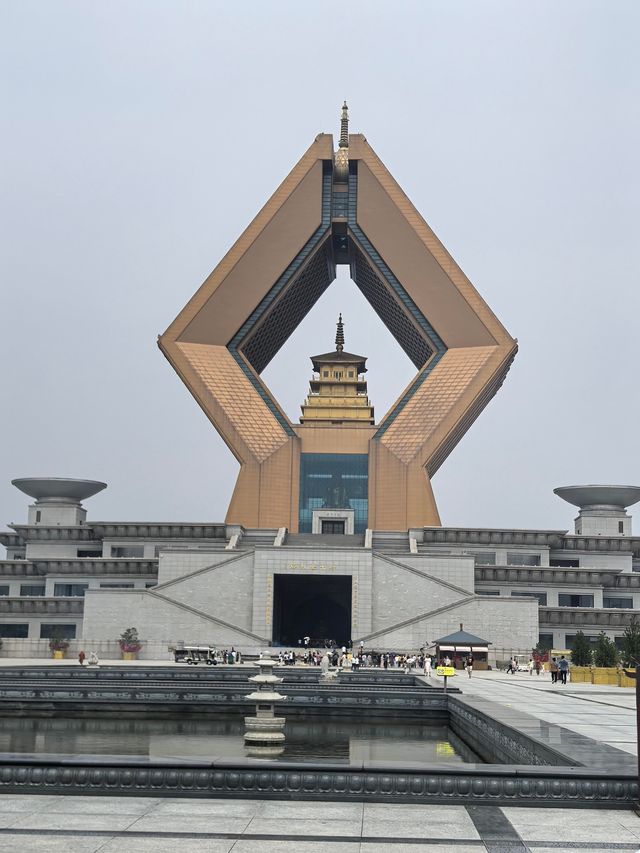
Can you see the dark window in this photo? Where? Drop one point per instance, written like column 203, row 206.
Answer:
column 134, row 552
column 38, row 515
column 619, row 642
column 84, row 554
column 14, row 630
column 325, row 373
column 626, row 603
column 483, row 558
column 569, row 640
column 545, row 641
column 566, row 600
column 516, row 558
column 564, row 564
column 31, row 589
column 4, row 589
column 541, row 596
column 149, row 584
column 116, row 586
column 487, row 592
column 55, row 629
column 62, row 589
column 333, row 525
column 351, row 374
column 621, row 527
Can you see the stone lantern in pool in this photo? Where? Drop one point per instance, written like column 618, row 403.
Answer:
column 264, row 735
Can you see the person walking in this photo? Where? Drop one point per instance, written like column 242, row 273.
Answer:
column 512, row 666
column 563, row 667
column 469, row 666
column 531, row 665
column 553, row 669
column 81, row 657
column 427, row 666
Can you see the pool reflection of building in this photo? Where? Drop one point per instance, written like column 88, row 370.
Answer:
column 332, row 531
column 308, row 739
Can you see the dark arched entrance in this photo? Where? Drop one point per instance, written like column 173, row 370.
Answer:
column 316, row 606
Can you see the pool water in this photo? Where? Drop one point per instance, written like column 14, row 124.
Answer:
column 343, row 740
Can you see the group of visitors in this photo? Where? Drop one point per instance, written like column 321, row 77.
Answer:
column 231, row 656
column 287, row 658
column 559, row 670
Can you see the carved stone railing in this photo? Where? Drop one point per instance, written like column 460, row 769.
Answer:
column 18, row 569
column 546, row 576
column 106, row 566
column 120, row 530
column 585, row 617
column 487, row 536
column 40, row 606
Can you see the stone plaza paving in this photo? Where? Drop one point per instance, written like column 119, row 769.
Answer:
column 81, row 824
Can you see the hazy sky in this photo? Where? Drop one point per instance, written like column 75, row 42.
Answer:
column 140, row 138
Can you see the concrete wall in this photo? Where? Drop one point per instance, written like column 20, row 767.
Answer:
column 400, row 593
column 504, row 623
column 107, row 614
column 224, row 590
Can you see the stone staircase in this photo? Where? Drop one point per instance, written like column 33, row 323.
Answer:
column 389, row 541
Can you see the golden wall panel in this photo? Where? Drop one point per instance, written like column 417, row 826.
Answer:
column 346, row 438
column 435, row 400
column 235, row 397
column 400, row 494
column 400, row 252
column 320, row 149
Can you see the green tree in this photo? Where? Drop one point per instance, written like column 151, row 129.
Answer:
column 581, row 654
column 605, row 652
column 541, row 648
column 630, row 650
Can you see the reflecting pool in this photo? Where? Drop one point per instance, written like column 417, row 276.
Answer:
column 307, row 739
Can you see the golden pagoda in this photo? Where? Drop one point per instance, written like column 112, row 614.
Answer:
column 338, row 389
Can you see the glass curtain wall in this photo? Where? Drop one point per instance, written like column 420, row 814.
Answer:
column 334, row 481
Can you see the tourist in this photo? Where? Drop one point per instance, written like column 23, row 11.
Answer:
column 447, row 661
column 81, row 657
column 553, row 669
column 511, row 666
column 427, row 666
column 530, row 666
column 538, row 666
column 469, row 665
column 563, row 667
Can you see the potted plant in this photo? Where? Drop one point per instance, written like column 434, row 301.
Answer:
column 58, row 644
column 130, row 644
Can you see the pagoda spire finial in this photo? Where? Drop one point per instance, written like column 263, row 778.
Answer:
column 340, row 335
column 344, row 127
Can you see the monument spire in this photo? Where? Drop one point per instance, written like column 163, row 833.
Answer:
column 344, row 127
column 340, row 335
column 341, row 159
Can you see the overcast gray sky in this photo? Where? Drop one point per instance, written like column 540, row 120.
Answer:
column 140, row 138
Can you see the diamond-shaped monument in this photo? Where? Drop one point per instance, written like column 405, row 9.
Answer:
column 341, row 207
